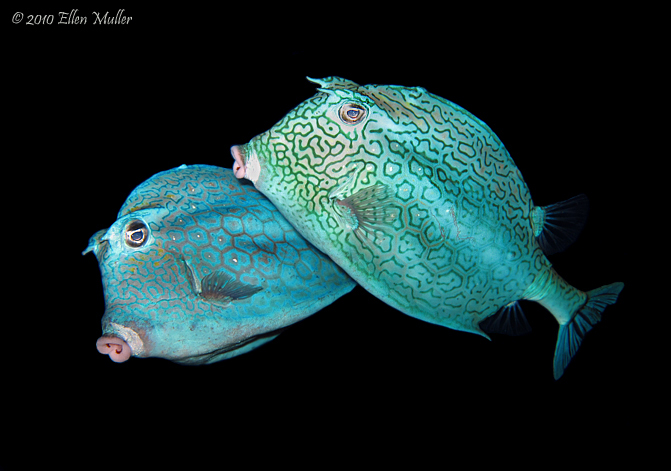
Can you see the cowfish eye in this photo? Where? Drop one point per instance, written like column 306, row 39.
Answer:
column 136, row 233
column 351, row 113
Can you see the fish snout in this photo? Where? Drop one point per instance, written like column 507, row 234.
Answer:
column 118, row 350
column 239, row 168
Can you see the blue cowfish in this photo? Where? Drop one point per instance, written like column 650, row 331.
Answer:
column 420, row 202
column 199, row 268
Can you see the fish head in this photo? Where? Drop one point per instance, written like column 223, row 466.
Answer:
column 140, row 283
column 327, row 126
column 191, row 275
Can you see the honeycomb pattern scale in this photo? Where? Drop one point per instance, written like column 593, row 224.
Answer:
column 218, row 266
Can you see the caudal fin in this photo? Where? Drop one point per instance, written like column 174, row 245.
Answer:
column 571, row 334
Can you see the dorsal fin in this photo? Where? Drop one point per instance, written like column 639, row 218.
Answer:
column 558, row 225
column 509, row 320
column 334, row 83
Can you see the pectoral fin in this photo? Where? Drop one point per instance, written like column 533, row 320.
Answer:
column 220, row 288
column 369, row 210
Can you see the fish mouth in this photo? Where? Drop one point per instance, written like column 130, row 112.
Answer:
column 246, row 163
column 118, row 349
column 239, row 168
column 120, row 343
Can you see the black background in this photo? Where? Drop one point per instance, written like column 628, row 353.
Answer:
column 98, row 109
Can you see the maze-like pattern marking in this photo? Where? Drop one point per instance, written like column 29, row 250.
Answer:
column 461, row 246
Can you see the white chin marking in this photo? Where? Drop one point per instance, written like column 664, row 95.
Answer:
column 252, row 168
column 130, row 337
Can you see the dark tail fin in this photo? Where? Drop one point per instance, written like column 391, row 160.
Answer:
column 571, row 334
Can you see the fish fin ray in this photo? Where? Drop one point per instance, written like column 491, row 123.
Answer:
column 509, row 320
column 572, row 334
column 219, row 288
column 560, row 224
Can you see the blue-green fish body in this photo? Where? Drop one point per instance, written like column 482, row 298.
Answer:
column 199, row 268
column 420, row 202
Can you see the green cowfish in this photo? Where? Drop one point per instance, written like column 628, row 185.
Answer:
column 419, row 201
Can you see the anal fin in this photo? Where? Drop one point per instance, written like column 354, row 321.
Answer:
column 509, row 320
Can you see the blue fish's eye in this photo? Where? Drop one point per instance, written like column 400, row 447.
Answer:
column 136, row 233
column 352, row 113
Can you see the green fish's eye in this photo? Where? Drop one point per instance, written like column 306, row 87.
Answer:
column 351, row 113
column 136, row 233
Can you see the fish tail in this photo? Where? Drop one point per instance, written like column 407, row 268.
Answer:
column 576, row 311
column 572, row 333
